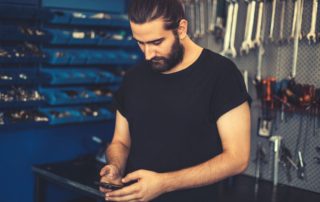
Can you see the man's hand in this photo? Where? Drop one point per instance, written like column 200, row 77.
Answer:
column 148, row 186
column 110, row 174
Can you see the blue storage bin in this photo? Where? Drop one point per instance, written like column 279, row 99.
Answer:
column 18, row 76
column 78, row 57
column 103, row 115
column 61, row 17
column 63, row 96
column 84, row 41
column 59, row 36
column 96, row 57
column 71, row 115
column 67, row 76
column 57, row 56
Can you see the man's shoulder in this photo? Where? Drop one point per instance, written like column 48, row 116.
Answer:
column 218, row 64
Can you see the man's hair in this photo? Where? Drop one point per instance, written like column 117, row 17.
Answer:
column 142, row 11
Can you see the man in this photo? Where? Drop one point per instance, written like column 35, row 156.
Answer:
column 182, row 120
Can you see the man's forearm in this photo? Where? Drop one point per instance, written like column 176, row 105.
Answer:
column 117, row 154
column 209, row 172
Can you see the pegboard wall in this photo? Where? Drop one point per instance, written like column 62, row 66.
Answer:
column 301, row 130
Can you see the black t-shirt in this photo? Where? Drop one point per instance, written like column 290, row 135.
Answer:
column 172, row 117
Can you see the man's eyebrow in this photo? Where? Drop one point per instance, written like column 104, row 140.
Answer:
column 148, row 42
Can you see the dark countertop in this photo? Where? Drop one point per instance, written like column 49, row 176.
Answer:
column 81, row 173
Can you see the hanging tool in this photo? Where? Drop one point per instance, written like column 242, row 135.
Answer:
column 294, row 20
column 212, row 14
column 257, row 40
column 233, row 50
column 226, row 44
column 220, row 20
column 197, row 31
column 311, row 36
column 276, row 139
column 297, row 33
column 273, row 15
column 202, row 17
column 282, row 20
column 248, row 43
column 287, row 161
column 259, row 160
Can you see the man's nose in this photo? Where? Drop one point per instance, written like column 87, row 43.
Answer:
column 149, row 52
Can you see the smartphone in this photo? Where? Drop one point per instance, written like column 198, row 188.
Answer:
column 109, row 185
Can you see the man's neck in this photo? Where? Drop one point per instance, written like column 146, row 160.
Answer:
column 192, row 51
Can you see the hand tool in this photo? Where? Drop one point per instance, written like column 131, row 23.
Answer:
column 259, row 160
column 282, row 20
column 212, row 17
column 294, row 20
column 192, row 11
column 296, row 38
column 197, row 19
column 233, row 50
column 311, row 36
column 286, row 160
column 276, row 139
column 227, row 36
column 247, row 44
column 257, row 40
column 273, row 15
column 301, row 167
column 202, row 18
column 220, row 20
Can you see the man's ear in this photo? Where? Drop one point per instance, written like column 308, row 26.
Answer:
column 183, row 29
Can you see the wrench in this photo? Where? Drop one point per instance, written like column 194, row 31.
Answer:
column 247, row 23
column 226, row 44
column 197, row 19
column 276, row 149
column 294, row 20
column 202, row 18
column 273, row 15
column 311, row 36
column 300, row 22
column 257, row 40
column 233, row 50
column 248, row 43
column 212, row 14
column 283, row 14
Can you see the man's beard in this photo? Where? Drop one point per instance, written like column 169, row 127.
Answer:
column 163, row 64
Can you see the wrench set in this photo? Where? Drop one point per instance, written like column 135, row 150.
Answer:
column 258, row 20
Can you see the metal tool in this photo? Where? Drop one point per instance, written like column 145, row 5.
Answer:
column 276, row 149
column 220, row 20
column 202, row 18
column 226, row 43
column 301, row 166
column 297, row 33
column 212, row 14
column 230, row 46
column 197, row 32
column 286, row 160
column 248, row 43
column 257, row 40
column 311, row 36
column 282, row 20
column 273, row 15
column 294, row 20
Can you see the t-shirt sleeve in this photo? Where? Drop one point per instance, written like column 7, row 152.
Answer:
column 119, row 98
column 230, row 91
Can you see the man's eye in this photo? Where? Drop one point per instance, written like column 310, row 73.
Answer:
column 157, row 43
